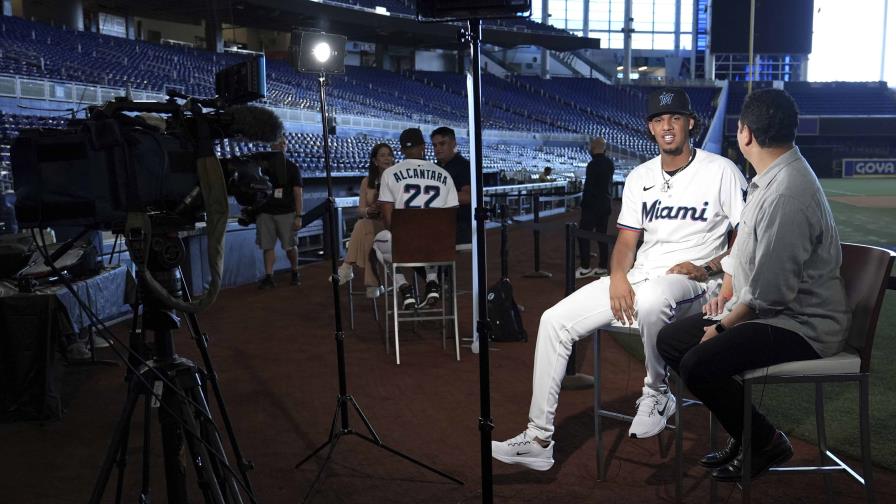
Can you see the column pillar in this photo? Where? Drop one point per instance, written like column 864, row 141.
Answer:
column 627, row 47
column 214, row 35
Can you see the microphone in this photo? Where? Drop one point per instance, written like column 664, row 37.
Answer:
column 257, row 124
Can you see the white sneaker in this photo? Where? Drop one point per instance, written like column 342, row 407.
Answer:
column 345, row 273
column 525, row 452
column 654, row 408
column 584, row 272
column 600, row 272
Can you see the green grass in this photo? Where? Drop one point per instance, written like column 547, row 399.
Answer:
column 792, row 407
column 860, row 187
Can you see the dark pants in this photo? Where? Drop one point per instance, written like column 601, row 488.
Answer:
column 592, row 221
column 708, row 368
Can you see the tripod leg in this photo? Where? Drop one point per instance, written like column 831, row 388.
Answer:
column 147, row 435
column 118, row 443
column 211, row 376
column 376, row 440
column 122, row 463
column 331, row 438
column 320, row 472
column 364, row 420
column 173, row 449
column 226, row 484
column 410, row 459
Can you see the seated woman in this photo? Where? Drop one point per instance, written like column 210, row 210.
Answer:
column 370, row 222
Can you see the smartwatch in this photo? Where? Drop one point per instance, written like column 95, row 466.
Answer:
column 720, row 328
column 708, row 269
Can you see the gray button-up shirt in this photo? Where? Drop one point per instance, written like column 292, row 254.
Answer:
column 786, row 259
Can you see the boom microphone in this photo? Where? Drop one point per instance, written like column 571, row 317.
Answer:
column 256, row 124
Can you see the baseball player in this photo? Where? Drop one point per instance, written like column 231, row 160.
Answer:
column 684, row 202
column 412, row 183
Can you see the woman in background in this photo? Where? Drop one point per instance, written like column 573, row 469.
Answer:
column 370, row 221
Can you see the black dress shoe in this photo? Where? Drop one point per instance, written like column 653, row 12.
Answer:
column 776, row 453
column 723, row 456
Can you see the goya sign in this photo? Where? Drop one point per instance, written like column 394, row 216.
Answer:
column 869, row 167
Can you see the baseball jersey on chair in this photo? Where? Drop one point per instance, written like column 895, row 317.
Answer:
column 686, row 217
column 415, row 183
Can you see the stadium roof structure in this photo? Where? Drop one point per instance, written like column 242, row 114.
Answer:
column 356, row 23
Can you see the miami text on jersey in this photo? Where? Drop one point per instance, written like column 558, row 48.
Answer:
column 420, row 173
column 657, row 211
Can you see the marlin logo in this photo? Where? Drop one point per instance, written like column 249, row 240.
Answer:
column 666, row 99
column 656, row 211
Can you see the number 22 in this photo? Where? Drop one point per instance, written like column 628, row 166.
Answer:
column 433, row 191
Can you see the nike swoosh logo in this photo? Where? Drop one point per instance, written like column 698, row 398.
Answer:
column 522, row 453
column 662, row 412
column 649, row 188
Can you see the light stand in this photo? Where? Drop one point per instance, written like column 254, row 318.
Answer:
column 344, row 399
column 472, row 11
column 471, row 37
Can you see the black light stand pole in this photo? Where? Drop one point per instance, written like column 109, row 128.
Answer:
column 483, row 326
column 344, row 399
column 334, row 259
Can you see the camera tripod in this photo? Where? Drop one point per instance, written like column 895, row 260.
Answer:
column 184, row 415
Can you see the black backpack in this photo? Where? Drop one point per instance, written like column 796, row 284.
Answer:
column 503, row 312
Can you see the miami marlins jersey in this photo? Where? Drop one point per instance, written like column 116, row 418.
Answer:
column 415, row 183
column 687, row 219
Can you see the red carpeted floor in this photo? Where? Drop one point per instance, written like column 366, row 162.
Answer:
column 274, row 352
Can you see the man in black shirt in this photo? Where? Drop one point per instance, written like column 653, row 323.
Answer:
column 595, row 208
column 444, row 143
column 280, row 217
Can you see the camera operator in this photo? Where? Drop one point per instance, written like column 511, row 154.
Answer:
column 280, row 217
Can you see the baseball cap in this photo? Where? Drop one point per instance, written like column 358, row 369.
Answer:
column 668, row 101
column 411, row 137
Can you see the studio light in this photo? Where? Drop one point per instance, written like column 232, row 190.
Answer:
column 317, row 52
column 322, row 52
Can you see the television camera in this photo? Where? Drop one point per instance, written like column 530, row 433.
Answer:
column 148, row 169
column 130, row 156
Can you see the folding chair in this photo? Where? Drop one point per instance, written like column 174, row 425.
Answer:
column 423, row 237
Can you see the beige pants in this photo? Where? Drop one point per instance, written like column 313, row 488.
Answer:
column 359, row 245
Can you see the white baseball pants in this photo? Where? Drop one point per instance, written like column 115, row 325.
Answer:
column 658, row 301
